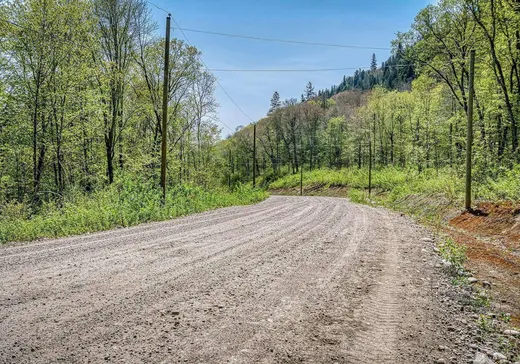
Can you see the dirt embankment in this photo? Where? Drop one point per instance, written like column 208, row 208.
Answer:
column 491, row 234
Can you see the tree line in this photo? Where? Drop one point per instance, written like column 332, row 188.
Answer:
column 81, row 97
column 81, row 90
column 412, row 110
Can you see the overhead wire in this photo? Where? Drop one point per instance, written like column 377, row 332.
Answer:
column 158, row 7
column 182, row 30
column 223, row 123
column 216, row 79
column 243, row 70
column 278, row 40
column 266, row 39
column 305, row 70
column 38, row 32
column 227, row 94
column 206, row 67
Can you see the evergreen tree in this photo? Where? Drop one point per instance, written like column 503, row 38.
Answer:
column 275, row 103
column 373, row 64
column 309, row 92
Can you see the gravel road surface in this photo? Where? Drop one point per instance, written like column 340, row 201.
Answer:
column 290, row 280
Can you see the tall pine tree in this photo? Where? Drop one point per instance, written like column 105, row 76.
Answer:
column 275, row 103
column 309, row 92
column 373, row 64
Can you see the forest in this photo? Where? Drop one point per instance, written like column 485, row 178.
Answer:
column 411, row 111
column 80, row 115
column 81, row 85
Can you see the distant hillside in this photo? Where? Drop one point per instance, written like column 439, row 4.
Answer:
column 397, row 73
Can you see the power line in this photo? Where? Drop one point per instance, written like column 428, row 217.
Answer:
column 264, row 39
column 223, row 123
column 216, row 79
column 218, row 120
column 304, row 70
column 282, row 70
column 204, row 64
column 243, row 70
column 158, row 7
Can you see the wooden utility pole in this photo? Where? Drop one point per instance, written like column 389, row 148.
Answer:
column 254, row 155
column 165, row 107
column 369, row 167
column 301, row 169
column 230, row 170
column 469, row 141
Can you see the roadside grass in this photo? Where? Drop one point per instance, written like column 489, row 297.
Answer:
column 426, row 195
column 125, row 203
column 352, row 177
column 454, row 254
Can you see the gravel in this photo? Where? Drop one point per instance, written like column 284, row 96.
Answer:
column 292, row 279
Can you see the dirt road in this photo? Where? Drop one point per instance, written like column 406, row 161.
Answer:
column 290, row 280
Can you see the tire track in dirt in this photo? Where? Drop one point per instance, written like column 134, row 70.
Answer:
column 289, row 280
column 120, row 248
column 379, row 312
column 274, row 294
column 144, row 232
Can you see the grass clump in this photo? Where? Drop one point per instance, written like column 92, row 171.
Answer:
column 125, row 203
column 453, row 253
column 482, row 298
column 485, row 324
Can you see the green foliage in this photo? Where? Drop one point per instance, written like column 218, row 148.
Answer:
column 504, row 317
column 80, row 111
column 399, row 182
column 482, row 298
column 506, row 187
column 125, row 203
column 81, row 101
column 453, row 253
column 485, row 324
column 460, row 280
column 414, row 116
column 358, row 196
column 510, row 347
column 426, row 194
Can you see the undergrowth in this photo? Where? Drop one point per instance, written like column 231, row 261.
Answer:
column 125, row 203
column 426, row 194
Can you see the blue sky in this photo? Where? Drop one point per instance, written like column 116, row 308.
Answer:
column 352, row 22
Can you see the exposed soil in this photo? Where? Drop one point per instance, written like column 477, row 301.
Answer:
column 290, row 280
column 492, row 236
column 499, row 221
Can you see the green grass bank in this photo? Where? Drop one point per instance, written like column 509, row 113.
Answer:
column 427, row 194
column 125, row 203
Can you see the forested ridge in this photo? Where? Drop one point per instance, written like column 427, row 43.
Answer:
column 412, row 109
